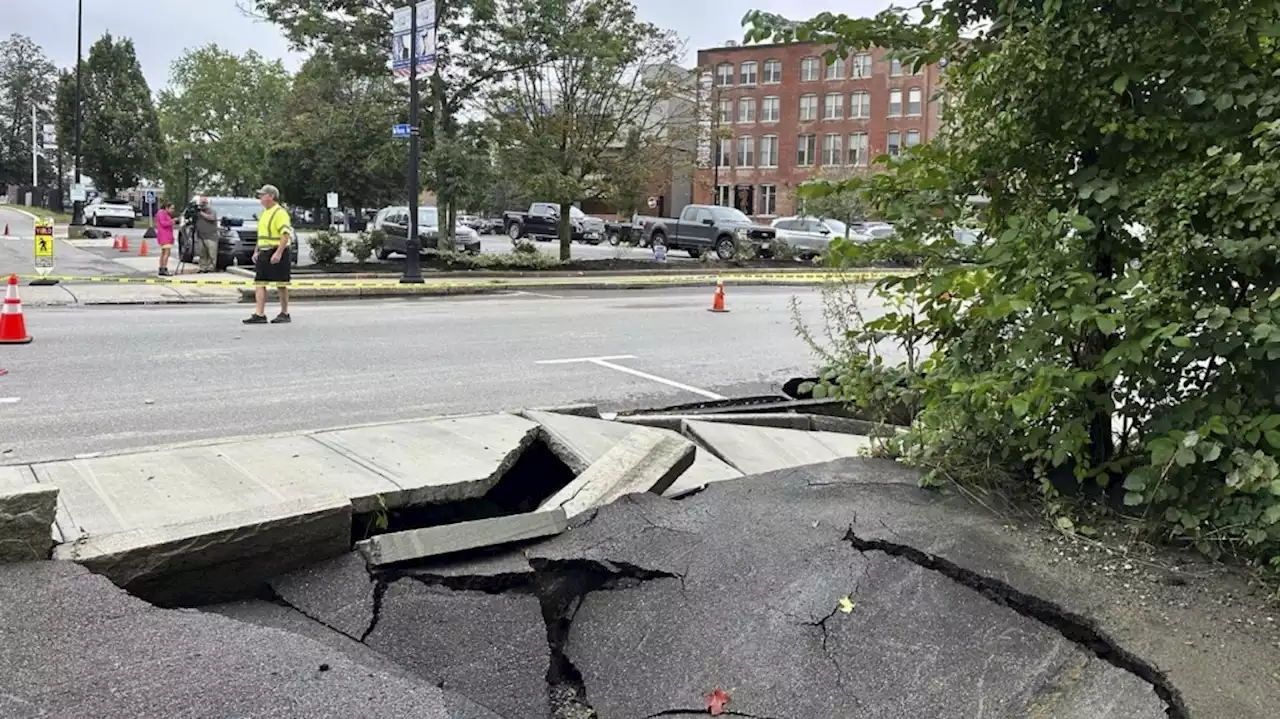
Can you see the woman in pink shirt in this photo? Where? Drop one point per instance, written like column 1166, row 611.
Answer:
column 164, row 235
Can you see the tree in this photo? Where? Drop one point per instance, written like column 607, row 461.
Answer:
column 843, row 206
column 335, row 136
column 26, row 80
column 1121, row 323
column 120, row 132
column 598, row 106
column 226, row 110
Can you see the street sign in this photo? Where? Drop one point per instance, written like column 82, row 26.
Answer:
column 151, row 197
column 43, row 247
column 77, row 192
column 332, row 199
column 402, row 29
column 660, row 252
column 400, row 130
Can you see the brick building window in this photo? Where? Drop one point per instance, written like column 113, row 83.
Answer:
column 860, row 106
column 772, row 72
column 724, row 152
column 726, row 110
column 861, row 66
column 806, row 149
column 832, row 150
column 771, row 109
column 724, row 195
column 769, row 151
column 894, row 146
column 859, row 154
column 769, row 200
column 747, row 109
column 833, row 107
column 915, row 102
column 835, row 69
column 895, row 68
column 895, row 103
column 748, row 74
column 724, row 74
column 809, row 69
column 746, row 151
column 808, row 108
column 913, row 138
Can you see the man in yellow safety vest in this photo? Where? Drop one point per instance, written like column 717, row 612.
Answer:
column 271, row 260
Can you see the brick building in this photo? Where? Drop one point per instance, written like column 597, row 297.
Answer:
column 777, row 115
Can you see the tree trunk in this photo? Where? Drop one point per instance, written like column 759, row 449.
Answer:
column 1101, row 437
column 566, row 232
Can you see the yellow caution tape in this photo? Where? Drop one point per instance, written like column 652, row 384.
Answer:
column 392, row 284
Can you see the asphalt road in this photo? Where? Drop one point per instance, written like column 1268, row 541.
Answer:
column 102, row 378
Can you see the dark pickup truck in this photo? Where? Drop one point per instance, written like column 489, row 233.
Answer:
column 703, row 228
column 542, row 222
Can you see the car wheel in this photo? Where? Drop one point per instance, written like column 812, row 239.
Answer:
column 724, row 248
column 513, row 231
column 615, row 239
column 129, row 224
column 383, row 253
column 658, row 238
column 694, row 252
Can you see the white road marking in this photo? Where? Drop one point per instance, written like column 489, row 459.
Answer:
column 10, row 400
column 605, row 362
column 539, row 294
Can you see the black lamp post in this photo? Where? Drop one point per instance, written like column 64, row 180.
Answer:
column 77, row 206
column 186, row 177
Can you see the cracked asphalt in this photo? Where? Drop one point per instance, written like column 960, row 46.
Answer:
column 833, row 591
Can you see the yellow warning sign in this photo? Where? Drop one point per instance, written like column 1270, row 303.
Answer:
column 42, row 247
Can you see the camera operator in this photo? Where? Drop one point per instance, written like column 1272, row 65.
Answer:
column 206, row 236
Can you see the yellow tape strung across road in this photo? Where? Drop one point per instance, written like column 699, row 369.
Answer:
column 498, row 282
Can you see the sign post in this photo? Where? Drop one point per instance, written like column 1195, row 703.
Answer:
column 413, row 49
column 331, row 201
column 42, row 249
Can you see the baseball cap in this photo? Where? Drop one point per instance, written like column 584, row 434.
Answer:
column 270, row 190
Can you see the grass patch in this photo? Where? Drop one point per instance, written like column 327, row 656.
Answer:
column 60, row 218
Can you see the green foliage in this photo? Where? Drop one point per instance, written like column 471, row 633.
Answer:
column 518, row 260
column 226, row 110
column 326, row 247
column 1120, row 322
column 524, row 247
column 121, row 140
column 27, row 79
column 592, row 109
column 365, row 244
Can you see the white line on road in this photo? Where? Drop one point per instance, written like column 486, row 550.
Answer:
column 10, row 400
column 605, row 362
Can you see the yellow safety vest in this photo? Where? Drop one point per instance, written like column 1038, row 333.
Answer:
column 272, row 226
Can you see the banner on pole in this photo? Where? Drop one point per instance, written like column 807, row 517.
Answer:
column 401, row 29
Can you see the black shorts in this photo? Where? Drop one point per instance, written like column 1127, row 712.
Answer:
column 266, row 272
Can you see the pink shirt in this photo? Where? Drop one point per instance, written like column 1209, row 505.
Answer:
column 164, row 228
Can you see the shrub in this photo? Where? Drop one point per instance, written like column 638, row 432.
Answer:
column 326, row 247
column 780, row 249
column 363, row 245
column 524, row 247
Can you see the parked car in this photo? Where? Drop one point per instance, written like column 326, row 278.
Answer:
column 237, row 231
column 542, row 222
column 703, row 228
column 114, row 213
column 811, row 236
column 396, row 224
column 629, row 232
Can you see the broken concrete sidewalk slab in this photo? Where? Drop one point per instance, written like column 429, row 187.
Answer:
column 644, row 461
column 127, row 492
column 26, row 516
column 218, row 555
column 579, row 441
column 780, row 420
column 754, row 450
column 79, row 648
column 412, row 544
column 437, row 460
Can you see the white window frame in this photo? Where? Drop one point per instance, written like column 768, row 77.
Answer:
column 748, row 73
column 895, row 68
column 859, row 149
column 776, row 66
column 725, row 110
column 815, row 108
column 915, row 102
column 889, row 144
column 860, row 66
column 832, row 149
column 774, row 103
column 860, row 110
column 810, row 69
column 801, row 144
column 767, row 202
column 769, row 158
column 746, row 111
column 896, row 92
column 724, row 79
column 833, row 106
column 835, row 70
column 746, row 151
column 908, row 142
column 724, row 195
column 724, row 157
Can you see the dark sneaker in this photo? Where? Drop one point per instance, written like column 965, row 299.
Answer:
column 255, row 320
column 164, row 272
column 281, row 319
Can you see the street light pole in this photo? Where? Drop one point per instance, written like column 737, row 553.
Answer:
column 77, row 206
column 413, row 244
column 186, row 177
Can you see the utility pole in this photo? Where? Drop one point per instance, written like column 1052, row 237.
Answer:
column 412, row 263
column 77, row 206
column 35, row 152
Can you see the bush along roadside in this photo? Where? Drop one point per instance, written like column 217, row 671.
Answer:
column 365, row 244
column 326, row 247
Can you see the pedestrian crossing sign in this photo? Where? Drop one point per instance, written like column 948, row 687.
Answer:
column 43, row 248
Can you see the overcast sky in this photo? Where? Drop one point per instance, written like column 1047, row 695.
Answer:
column 163, row 29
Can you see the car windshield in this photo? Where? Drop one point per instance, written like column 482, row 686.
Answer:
column 236, row 209
column 837, row 227
column 428, row 216
column 729, row 214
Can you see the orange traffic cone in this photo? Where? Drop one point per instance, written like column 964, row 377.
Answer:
column 143, row 251
column 124, row 243
column 717, row 303
column 115, row 243
column 13, row 329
